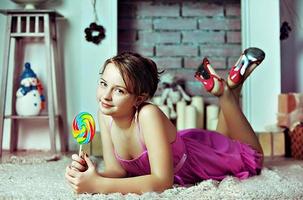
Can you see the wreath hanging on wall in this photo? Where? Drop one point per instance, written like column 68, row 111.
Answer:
column 95, row 33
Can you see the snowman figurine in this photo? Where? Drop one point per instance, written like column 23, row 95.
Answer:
column 30, row 100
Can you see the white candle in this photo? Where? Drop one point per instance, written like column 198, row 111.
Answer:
column 212, row 124
column 165, row 110
column 212, row 113
column 198, row 103
column 181, row 115
column 190, row 117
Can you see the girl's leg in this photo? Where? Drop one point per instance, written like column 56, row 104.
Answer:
column 222, row 126
column 232, row 121
column 235, row 121
column 249, row 60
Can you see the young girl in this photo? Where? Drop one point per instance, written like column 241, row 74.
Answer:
column 141, row 147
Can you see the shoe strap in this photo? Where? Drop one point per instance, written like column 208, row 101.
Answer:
column 215, row 76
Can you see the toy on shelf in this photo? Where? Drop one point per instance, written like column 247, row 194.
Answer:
column 172, row 93
column 30, row 100
column 83, row 128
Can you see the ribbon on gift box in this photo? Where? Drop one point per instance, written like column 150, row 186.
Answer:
column 294, row 112
column 289, row 120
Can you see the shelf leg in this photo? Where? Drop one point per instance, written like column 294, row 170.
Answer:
column 4, row 78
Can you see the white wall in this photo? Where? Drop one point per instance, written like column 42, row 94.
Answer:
column 82, row 61
column 261, row 28
column 292, row 47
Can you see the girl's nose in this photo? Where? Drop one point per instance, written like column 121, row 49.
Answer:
column 107, row 94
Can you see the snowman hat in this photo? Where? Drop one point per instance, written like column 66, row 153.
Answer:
column 28, row 72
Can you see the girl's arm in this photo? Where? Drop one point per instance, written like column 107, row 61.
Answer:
column 154, row 126
column 113, row 168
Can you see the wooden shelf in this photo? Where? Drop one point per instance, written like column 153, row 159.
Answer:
column 28, row 24
column 28, row 12
column 27, row 35
column 27, row 117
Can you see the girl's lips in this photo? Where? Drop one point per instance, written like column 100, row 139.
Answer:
column 105, row 105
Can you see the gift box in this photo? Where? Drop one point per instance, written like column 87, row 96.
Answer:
column 296, row 141
column 272, row 143
column 290, row 109
column 287, row 102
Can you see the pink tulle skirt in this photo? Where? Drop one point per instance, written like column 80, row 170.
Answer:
column 211, row 155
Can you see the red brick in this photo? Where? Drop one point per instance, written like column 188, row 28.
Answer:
column 202, row 9
column 219, row 24
column 176, row 50
column 149, row 9
column 203, row 37
column 166, row 62
column 146, row 50
column 127, row 36
column 216, row 62
column 233, row 9
column 159, row 37
column 233, row 24
column 233, row 37
column 175, row 24
column 134, row 24
column 187, row 74
column 220, row 50
column 212, row 24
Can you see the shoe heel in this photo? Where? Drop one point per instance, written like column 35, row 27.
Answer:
column 250, row 58
column 254, row 54
column 208, row 77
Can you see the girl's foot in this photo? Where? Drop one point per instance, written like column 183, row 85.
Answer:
column 247, row 62
column 208, row 77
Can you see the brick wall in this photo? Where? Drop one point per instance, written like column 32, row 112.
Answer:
column 178, row 34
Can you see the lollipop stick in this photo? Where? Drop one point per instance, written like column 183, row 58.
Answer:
column 80, row 149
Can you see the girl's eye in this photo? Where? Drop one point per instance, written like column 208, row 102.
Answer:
column 103, row 84
column 119, row 91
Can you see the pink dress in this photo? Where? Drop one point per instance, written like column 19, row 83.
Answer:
column 199, row 155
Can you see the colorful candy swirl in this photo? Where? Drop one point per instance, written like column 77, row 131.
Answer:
column 84, row 128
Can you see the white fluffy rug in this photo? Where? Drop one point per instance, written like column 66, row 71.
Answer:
column 35, row 178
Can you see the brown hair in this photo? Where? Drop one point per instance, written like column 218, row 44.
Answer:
column 139, row 73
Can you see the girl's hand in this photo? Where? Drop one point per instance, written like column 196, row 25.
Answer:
column 78, row 162
column 82, row 182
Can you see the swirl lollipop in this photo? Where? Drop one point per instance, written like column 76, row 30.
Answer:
column 83, row 128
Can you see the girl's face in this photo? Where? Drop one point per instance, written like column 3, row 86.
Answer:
column 112, row 95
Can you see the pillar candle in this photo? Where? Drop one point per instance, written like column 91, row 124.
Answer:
column 212, row 113
column 180, row 115
column 212, row 124
column 190, row 117
column 198, row 103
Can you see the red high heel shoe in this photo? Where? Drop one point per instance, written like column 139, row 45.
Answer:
column 247, row 62
column 208, row 77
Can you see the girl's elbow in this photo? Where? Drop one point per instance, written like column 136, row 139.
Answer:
column 168, row 185
column 164, row 185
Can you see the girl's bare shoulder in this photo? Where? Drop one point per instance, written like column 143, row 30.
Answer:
column 149, row 110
